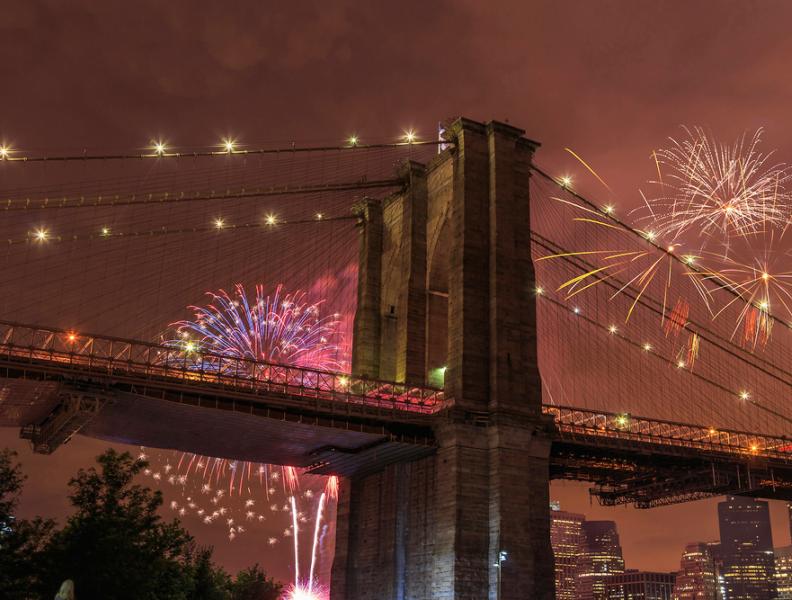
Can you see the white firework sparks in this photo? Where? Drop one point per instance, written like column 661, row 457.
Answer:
column 717, row 189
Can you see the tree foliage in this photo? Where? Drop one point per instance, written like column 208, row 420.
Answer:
column 21, row 541
column 252, row 584
column 11, row 480
column 209, row 582
column 114, row 546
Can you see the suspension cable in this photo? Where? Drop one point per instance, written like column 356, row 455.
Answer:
column 6, row 155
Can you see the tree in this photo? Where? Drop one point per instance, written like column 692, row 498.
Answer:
column 21, row 541
column 114, row 547
column 252, row 584
column 209, row 582
column 116, row 544
column 11, row 480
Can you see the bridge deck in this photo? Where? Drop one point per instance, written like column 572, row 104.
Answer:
column 329, row 422
column 65, row 353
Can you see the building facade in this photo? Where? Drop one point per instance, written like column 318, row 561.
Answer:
column 602, row 559
column 697, row 578
column 640, row 585
column 569, row 544
column 783, row 566
column 746, row 549
column 789, row 512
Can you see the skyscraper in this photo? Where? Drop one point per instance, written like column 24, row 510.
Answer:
column 602, row 558
column 783, row 565
column 746, row 549
column 789, row 512
column 639, row 585
column 697, row 578
column 717, row 558
column 568, row 542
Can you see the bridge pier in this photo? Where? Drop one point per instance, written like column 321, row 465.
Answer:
column 447, row 281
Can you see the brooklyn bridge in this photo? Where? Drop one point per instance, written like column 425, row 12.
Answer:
column 489, row 350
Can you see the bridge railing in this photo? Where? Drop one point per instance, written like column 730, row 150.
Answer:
column 119, row 356
column 575, row 423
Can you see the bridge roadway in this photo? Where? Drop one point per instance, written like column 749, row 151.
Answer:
column 56, row 383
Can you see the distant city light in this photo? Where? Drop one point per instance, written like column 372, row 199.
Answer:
column 219, row 223
column 744, row 395
column 271, row 220
column 566, row 181
column 159, row 148
column 353, row 140
column 229, row 144
column 41, row 235
column 409, row 136
column 105, row 231
column 4, row 152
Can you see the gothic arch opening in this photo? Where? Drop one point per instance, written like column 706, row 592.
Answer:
column 437, row 304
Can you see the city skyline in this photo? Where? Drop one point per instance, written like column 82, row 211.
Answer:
column 590, row 563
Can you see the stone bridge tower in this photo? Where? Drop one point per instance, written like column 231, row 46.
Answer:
column 446, row 296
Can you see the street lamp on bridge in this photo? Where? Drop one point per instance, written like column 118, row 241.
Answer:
column 499, row 566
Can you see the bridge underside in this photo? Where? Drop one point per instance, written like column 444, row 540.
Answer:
column 353, row 441
column 649, row 475
column 51, row 410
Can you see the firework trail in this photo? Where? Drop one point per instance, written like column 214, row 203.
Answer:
column 309, row 588
column 625, row 266
column 331, row 488
column 756, row 287
column 296, row 535
column 224, row 512
column 317, row 524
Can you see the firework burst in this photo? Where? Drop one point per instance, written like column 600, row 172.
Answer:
column 758, row 287
column 265, row 331
column 718, row 190
column 301, row 591
column 730, row 195
column 630, row 265
column 282, row 329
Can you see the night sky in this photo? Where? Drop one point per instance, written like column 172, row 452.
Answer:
column 611, row 80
